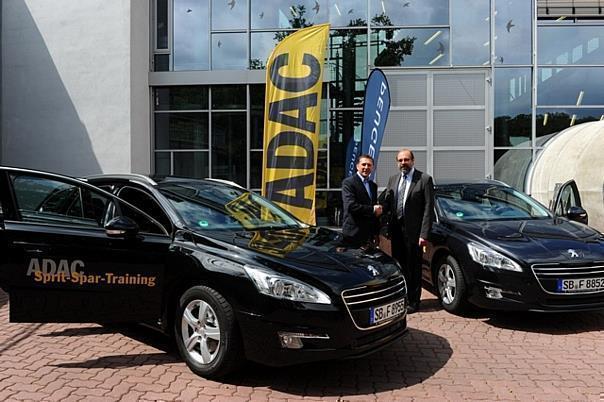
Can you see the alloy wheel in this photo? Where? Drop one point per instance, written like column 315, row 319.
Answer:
column 200, row 331
column 447, row 285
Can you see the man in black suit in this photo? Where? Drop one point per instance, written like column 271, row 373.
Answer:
column 361, row 211
column 409, row 200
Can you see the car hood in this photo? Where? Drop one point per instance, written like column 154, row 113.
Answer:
column 310, row 252
column 555, row 240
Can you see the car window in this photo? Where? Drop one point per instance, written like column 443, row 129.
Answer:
column 146, row 203
column 567, row 200
column 487, row 202
column 43, row 200
column 210, row 206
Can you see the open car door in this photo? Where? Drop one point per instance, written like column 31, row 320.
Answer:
column 567, row 202
column 72, row 252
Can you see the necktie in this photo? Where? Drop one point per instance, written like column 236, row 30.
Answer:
column 366, row 184
column 402, row 187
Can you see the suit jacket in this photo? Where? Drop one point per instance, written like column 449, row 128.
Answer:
column 419, row 205
column 359, row 223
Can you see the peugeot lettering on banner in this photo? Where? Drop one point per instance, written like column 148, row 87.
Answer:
column 375, row 114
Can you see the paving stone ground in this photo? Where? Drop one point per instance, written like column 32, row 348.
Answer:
column 480, row 356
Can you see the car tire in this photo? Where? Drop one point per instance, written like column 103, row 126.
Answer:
column 206, row 333
column 451, row 285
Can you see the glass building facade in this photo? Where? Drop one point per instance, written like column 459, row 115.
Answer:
column 477, row 86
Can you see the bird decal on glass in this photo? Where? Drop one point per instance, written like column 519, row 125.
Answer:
column 441, row 48
column 231, row 4
column 219, row 44
column 509, row 25
column 317, row 7
column 261, row 15
column 350, row 11
column 189, row 10
column 406, row 4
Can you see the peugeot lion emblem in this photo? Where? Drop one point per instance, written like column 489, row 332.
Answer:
column 572, row 253
column 372, row 270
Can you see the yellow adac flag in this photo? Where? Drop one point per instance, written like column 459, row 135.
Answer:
column 294, row 77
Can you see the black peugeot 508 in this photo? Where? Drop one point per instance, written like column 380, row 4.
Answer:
column 498, row 248
column 228, row 273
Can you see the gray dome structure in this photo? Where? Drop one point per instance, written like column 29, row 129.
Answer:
column 575, row 153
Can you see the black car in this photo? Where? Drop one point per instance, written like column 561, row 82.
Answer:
column 228, row 273
column 498, row 248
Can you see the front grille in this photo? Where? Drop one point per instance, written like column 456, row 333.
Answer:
column 548, row 275
column 359, row 300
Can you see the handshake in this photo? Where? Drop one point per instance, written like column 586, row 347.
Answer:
column 378, row 210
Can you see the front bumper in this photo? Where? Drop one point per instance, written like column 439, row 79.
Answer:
column 262, row 344
column 522, row 292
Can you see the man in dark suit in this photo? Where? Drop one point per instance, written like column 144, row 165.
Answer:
column 361, row 211
column 409, row 200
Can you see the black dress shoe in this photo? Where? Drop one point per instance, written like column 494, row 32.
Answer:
column 413, row 308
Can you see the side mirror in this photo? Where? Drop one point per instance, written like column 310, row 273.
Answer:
column 577, row 214
column 121, row 227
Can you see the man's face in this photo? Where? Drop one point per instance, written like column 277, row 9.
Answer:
column 364, row 167
column 405, row 161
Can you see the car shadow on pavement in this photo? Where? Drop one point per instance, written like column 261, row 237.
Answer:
column 411, row 360
column 548, row 323
column 167, row 355
column 3, row 299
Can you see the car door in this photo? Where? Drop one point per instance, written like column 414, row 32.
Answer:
column 567, row 202
column 61, row 265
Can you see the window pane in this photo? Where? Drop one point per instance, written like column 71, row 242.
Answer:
column 348, row 67
column 345, row 125
column 570, row 86
column 572, row 44
column 348, row 13
column 191, row 164
column 410, row 47
column 551, row 121
column 513, row 32
column 410, row 12
column 229, row 14
column 511, row 166
column 256, row 116
column 161, row 62
column 262, row 45
column 181, row 98
column 229, row 147
column 162, row 24
column 162, row 164
column 181, row 130
column 288, row 14
column 322, row 170
column 470, row 26
column 229, row 97
column 229, row 51
column 191, row 36
column 512, row 107
column 329, row 208
column 256, row 169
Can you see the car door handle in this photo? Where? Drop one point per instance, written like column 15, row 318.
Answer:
column 34, row 248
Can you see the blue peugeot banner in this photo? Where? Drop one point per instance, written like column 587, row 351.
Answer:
column 375, row 115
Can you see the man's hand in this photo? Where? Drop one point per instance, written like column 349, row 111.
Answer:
column 378, row 210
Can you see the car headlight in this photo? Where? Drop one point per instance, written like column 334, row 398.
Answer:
column 281, row 286
column 490, row 258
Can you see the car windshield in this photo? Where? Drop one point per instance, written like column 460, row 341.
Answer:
column 486, row 202
column 215, row 206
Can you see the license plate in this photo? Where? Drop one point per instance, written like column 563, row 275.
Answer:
column 580, row 285
column 386, row 312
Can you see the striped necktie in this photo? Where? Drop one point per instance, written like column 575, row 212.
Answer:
column 402, row 187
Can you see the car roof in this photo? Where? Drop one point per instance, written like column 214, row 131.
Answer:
column 155, row 181
column 467, row 182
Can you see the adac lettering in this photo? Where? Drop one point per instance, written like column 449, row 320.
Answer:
column 47, row 266
column 292, row 112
